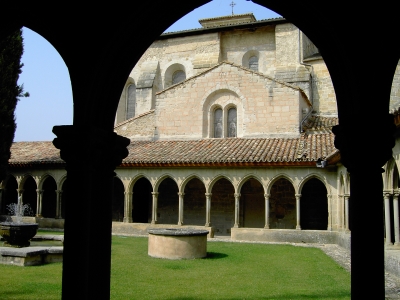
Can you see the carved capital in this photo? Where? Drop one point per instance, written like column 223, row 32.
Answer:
column 101, row 150
column 349, row 139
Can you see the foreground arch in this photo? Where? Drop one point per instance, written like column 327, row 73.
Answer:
column 96, row 99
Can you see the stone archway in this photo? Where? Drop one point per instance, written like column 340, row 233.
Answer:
column 282, row 213
column 314, row 206
column 223, row 207
column 118, row 201
column 141, row 201
column 168, row 202
column 10, row 194
column 194, row 209
column 49, row 198
column 252, row 204
column 29, row 194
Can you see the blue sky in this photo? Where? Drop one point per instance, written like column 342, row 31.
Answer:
column 46, row 77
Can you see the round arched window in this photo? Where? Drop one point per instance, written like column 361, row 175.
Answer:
column 131, row 101
column 218, row 123
column 178, row 76
column 232, row 122
column 253, row 63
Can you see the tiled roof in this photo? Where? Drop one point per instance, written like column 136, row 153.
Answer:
column 304, row 150
column 34, row 153
column 201, row 30
column 320, row 123
column 231, row 151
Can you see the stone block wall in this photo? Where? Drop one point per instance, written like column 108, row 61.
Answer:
column 140, row 127
column 235, row 44
column 287, row 45
column 264, row 106
column 193, row 52
column 324, row 97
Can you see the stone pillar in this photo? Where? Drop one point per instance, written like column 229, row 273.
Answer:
column 237, row 199
column 208, row 210
column 298, row 227
column 366, row 182
column 128, row 207
column 266, row 196
column 154, row 210
column 58, row 204
column 388, row 239
column 180, row 215
column 346, row 212
column 91, row 155
column 39, row 197
column 396, row 218
column 329, row 212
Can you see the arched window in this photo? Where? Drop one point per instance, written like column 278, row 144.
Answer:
column 253, row 63
column 178, row 76
column 218, row 123
column 131, row 101
column 232, row 122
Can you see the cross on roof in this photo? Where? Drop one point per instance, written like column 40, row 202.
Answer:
column 232, row 4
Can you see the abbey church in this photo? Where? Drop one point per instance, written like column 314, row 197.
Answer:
column 231, row 131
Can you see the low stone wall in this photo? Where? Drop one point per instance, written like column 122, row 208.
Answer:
column 119, row 228
column 291, row 236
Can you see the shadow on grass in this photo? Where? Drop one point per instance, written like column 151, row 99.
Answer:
column 215, row 255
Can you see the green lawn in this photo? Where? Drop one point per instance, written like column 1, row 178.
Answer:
column 231, row 271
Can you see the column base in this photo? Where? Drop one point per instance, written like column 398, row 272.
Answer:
column 128, row 220
column 180, row 223
column 236, row 226
column 207, row 225
column 298, row 227
column 266, row 227
column 153, row 222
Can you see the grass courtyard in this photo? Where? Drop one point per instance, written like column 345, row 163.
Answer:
column 230, row 271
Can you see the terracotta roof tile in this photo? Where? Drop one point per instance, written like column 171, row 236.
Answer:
column 306, row 148
column 34, row 153
column 231, row 150
column 320, row 123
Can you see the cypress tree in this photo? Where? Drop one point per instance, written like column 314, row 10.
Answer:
column 11, row 49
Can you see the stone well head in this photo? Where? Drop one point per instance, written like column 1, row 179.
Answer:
column 176, row 243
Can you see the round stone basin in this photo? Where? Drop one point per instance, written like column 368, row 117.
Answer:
column 173, row 243
column 18, row 234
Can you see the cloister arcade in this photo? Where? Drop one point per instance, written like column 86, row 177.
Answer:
column 249, row 198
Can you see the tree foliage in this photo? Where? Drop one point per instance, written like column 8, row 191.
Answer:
column 11, row 49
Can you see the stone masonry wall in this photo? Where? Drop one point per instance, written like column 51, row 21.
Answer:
column 192, row 52
column 264, row 107
column 324, row 97
column 235, row 44
column 140, row 127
